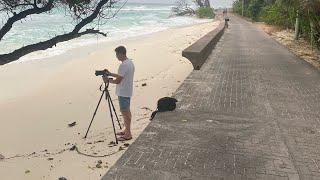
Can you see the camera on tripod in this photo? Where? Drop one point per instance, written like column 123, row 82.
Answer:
column 112, row 110
column 102, row 73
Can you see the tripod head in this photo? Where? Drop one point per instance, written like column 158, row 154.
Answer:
column 106, row 86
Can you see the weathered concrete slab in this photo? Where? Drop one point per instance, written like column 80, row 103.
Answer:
column 250, row 112
column 198, row 52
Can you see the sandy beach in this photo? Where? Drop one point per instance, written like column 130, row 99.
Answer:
column 38, row 99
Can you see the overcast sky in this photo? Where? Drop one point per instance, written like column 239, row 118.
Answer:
column 214, row 3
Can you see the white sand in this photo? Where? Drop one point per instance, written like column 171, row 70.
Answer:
column 39, row 98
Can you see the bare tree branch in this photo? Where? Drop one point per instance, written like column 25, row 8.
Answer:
column 15, row 55
column 83, row 11
column 91, row 17
column 17, row 17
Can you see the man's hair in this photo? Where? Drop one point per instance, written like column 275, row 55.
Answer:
column 121, row 50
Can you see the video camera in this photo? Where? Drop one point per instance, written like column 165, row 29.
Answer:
column 102, row 73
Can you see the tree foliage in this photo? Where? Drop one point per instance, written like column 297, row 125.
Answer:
column 205, row 12
column 203, row 8
column 83, row 13
column 284, row 13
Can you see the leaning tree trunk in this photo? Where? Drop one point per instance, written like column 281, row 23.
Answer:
column 312, row 34
column 200, row 3
column 15, row 55
column 207, row 3
column 297, row 30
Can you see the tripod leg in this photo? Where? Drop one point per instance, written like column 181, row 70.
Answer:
column 115, row 112
column 108, row 98
column 94, row 114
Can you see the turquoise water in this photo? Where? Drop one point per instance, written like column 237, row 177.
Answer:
column 132, row 20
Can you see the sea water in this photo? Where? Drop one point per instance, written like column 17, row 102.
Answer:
column 132, row 20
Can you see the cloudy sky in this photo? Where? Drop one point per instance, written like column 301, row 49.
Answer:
column 215, row 3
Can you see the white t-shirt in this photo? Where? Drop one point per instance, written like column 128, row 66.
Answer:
column 125, row 87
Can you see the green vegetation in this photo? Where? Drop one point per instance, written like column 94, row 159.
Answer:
column 205, row 12
column 283, row 13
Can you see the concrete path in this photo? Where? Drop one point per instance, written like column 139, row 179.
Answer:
column 251, row 112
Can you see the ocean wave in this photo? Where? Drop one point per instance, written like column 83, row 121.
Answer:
column 138, row 9
column 124, row 26
column 146, row 8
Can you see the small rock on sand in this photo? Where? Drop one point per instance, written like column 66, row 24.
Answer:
column 50, row 159
column 73, row 148
column 1, row 157
column 126, row 144
column 62, row 178
column 112, row 143
column 144, row 84
column 27, row 171
column 99, row 141
column 72, row 124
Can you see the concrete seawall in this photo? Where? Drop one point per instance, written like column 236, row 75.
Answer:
column 198, row 52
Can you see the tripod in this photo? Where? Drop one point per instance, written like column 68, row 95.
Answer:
column 105, row 92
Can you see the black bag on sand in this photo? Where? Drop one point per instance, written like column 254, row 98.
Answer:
column 165, row 104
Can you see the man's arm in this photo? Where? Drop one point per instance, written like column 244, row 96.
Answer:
column 117, row 79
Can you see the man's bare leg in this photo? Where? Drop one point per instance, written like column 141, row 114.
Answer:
column 127, row 123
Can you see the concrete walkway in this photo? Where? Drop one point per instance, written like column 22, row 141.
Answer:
column 251, row 112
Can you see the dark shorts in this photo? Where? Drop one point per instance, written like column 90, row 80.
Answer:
column 124, row 103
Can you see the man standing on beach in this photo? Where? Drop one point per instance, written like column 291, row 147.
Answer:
column 124, row 89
